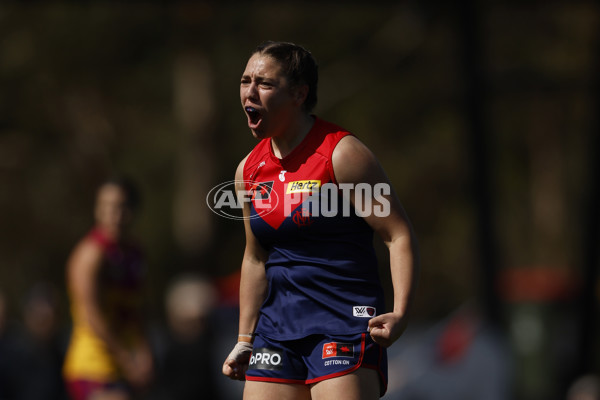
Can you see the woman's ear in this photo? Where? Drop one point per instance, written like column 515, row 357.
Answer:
column 300, row 94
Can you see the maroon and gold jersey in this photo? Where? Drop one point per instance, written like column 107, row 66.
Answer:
column 119, row 296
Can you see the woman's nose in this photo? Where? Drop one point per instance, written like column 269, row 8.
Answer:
column 251, row 91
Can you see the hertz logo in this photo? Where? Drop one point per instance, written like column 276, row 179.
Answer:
column 309, row 186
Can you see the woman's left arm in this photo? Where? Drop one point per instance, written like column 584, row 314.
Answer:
column 353, row 164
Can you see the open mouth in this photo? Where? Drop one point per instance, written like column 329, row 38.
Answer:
column 254, row 116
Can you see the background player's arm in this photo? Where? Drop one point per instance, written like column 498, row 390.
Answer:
column 82, row 276
column 253, row 286
column 354, row 163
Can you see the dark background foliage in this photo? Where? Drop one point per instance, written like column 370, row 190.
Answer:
column 484, row 115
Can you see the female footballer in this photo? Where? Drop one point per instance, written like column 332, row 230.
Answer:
column 312, row 322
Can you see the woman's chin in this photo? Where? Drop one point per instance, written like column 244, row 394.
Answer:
column 258, row 134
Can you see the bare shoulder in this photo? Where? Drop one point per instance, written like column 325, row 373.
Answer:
column 353, row 161
column 239, row 172
column 350, row 145
column 86, row 252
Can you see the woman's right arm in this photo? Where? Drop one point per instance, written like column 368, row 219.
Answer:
column 83, row 270
column 253, row 289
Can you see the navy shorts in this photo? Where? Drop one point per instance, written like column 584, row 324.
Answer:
column 315, row 358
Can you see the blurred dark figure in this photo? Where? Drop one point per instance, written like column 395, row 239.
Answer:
column 585, row 388
column 11, row 365
column 22, row 363
column 184, row 350
column 461, row 358
column 45, row 341
column 225, row 322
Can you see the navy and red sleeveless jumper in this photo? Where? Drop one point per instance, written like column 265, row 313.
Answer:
column 321, row 270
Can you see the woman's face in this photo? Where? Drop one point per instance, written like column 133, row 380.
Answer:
column 267, row 97
column 112, row 212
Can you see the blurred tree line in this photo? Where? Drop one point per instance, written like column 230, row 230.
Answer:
column 151, row 90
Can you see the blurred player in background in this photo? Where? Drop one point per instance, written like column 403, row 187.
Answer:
column 184, row 370
column 108, row 356
column 313, row 323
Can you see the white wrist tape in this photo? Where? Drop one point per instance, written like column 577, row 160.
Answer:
column 241, row 352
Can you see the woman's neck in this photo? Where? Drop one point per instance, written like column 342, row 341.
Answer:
column 112, row 233
column 284, row 144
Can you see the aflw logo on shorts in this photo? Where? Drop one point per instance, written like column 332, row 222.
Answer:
column 363, row 311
